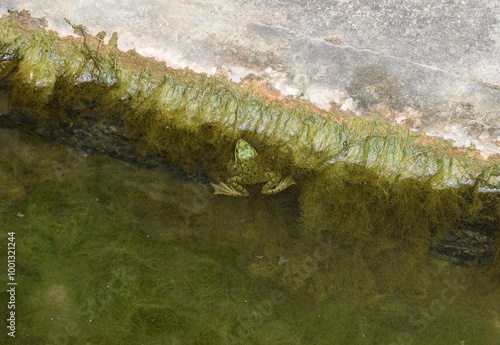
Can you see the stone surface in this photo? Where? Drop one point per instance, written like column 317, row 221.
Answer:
column 432, row 65
column 462, row 37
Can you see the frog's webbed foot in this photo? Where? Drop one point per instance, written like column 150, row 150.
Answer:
column 224, row 189
column 273, row 187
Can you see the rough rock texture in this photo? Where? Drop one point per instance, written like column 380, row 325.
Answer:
column 432, row 65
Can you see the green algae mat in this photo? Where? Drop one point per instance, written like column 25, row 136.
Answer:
column 97, row 250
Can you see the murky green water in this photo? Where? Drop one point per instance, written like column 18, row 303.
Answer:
column 108, row 253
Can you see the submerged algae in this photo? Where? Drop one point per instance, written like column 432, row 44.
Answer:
column 372, row 200
column 109, row 253
column 360, row 181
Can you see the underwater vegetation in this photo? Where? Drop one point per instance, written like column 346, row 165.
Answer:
column 109, row 253
column 346, row 256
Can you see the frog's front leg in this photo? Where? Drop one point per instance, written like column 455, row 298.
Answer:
column 235, row 183
column 275, row 184
column 232, row 188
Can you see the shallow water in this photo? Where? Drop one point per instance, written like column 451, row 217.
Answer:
column 109, row 253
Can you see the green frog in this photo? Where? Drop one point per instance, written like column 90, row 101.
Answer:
column 249, row 169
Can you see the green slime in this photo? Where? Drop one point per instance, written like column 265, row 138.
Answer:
column 109, row 253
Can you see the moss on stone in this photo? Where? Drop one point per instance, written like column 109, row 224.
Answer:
column 371, row 201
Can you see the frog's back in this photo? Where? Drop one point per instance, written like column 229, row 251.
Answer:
column 251, row 171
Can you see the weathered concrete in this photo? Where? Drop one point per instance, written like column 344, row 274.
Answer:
column 430, row 64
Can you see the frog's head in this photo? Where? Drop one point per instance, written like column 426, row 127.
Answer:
column 244, row 151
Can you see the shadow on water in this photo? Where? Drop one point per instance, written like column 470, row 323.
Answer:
column 108, row 253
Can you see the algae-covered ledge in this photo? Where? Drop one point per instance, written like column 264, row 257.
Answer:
column 355, row 176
